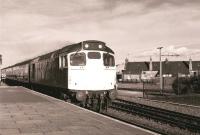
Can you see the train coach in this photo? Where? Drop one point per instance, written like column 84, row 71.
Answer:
column 83, row 72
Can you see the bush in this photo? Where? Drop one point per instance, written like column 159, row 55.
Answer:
column 195, row 84
column 181, row 85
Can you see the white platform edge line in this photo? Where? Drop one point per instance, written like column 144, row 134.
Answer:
column 121, row 122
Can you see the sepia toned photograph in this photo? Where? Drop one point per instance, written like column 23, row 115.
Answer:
column 99, row 67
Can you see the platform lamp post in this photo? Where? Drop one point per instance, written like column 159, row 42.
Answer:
column 161, row 78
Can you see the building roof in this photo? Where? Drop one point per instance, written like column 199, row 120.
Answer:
column 169, row 67
column 136, row 67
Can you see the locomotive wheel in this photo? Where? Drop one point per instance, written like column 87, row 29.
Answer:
column 65, row 97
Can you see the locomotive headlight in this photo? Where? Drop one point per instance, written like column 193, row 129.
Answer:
column 112, row 94
column 102, row 95
column 86, row 45
column 81, row 95
column 100, row 46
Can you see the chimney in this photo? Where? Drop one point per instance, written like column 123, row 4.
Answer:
column 126, row 62
column 190, row 64
column 150, row 65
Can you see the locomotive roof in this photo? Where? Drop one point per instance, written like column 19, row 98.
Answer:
column 72, row 48
column 79, row 46
column 48, row 55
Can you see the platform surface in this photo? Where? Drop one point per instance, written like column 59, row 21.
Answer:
column 25, row 112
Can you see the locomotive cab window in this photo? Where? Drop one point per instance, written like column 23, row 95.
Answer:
column 94, row 55
column 78, row 59
column 108, row 60
column 63, row 62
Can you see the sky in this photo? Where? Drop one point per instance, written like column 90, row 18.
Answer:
column 132, row 28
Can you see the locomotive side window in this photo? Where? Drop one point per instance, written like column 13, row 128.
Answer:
column 78, row 59
column 94, row 55
column 63, row 62
column 108, row 60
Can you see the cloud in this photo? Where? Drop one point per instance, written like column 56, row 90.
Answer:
column 182, row 53
column 128, row 26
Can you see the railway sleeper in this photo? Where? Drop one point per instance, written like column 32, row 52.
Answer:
column 157, row 116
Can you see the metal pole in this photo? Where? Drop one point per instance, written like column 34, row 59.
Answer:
column 161, row 78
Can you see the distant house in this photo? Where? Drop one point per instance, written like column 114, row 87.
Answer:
column 195, row 69
column 172, row 68
column 136, row 67
column 134, row 70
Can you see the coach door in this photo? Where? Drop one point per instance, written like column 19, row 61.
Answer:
column 33, row 71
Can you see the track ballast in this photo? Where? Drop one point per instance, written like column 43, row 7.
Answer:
column 183, row 121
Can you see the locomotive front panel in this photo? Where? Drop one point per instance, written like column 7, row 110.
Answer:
column 92, row 71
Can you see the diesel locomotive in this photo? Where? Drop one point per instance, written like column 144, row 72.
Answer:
column 84, row 72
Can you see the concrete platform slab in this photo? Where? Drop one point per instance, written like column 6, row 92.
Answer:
column 26, row 112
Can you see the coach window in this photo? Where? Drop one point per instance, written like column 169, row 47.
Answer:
column 108, row 60
column 78, row 59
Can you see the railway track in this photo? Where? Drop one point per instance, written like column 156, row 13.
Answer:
column 183, row 121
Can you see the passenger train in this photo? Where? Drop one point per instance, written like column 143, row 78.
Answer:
column 84, row 72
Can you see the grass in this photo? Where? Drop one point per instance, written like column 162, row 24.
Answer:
column 147, row 86
column 190, row 99
column 153, row 92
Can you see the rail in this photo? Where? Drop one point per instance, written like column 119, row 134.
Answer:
column 184, row 121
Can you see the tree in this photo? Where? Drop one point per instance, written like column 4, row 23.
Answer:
column 181, row 85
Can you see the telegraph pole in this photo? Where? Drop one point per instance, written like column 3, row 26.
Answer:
column 161, row 78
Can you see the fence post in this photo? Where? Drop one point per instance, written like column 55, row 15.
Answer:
column 143, row 88
column 178, row 83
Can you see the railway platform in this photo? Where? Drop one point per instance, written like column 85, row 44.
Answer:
column 26, row 112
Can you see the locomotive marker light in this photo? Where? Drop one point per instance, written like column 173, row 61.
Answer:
column 100, row 46
column 113, row 94
column 161, row 78
column 86, row 45
column 81, row 95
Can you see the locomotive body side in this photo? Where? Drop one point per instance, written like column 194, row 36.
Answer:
column 46, row 72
